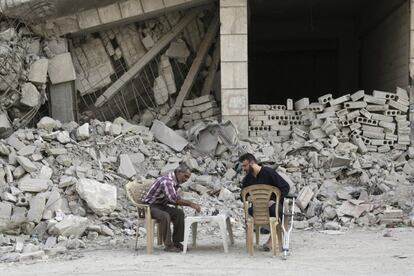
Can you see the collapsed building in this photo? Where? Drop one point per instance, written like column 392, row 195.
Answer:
column 323, row 96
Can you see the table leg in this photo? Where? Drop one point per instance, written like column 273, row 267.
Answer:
column 223, row 231
column 186, row 235
column 194, row 232
column 230, row 230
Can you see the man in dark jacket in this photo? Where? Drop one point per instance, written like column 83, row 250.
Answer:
column 256, row 174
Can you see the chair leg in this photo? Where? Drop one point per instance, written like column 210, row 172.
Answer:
column 250, row 238
column 279, row 236
column 150, row 235
column 257, row 229
column 159, row 237
column 186, row 235
column 273, row 234
column 194, row 233
column 230, row 230
column 137, row 234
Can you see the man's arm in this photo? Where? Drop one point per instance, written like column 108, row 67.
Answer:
column 184, row 202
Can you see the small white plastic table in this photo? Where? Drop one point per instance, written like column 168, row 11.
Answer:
column 222, row 220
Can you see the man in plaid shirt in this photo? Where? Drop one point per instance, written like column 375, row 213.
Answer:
column 163, row 192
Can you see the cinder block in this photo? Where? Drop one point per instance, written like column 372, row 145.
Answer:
column 372, row 148
column 275, row 112
column 289, row 104
column 281, row 127
column 315, row 107
column 387, row 125
column 352, row 115
column 366, row 121
column 38, row 71
column 355, row 126
column 362, row 148
column 379, row 142
column 373, row 135
column 374, row 100
column 317, row 133
column 402, row 94
column 384, row 95
column 398, row 106
column 326, row 115
column 333, row 108
column 411, row 152
column 366, row 140
column 255, row 123
column 355, row 105
column 257, row 113
column 278, row 107
column 325, row 99
column 377, row 108
column 391, row 136
column 372, row 129
column 383, row 149
column 340, row 100
column 403, row 102
column 258, row 118
column 254, row 107
column 302, row 104
column 285, row 132
column 400, row 147
column 365, row 113
column 341, row 113
column 301, row 133
column 392, row 112
column 381, row 117
column 357, row 95
column 405, row 130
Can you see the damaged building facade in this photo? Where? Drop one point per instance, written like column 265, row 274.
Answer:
column 185, row 61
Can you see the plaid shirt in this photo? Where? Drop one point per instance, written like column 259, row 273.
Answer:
column 163, row 191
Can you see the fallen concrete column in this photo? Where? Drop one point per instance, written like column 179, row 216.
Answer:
column 147, row 58
column 195, row 68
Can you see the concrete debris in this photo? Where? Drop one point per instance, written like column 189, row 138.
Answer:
column 101, row 198
column 126, row 167
column 167, row 136
column 70, row 226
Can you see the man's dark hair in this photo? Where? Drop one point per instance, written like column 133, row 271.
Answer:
column 247, row 156
column 183, row 167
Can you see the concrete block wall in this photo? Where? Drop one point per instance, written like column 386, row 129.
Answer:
column 234, row 63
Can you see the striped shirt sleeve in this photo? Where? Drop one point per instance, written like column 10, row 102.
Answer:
column 170, row 192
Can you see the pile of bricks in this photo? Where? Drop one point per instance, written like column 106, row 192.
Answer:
column 376, row 122
column 197, row 110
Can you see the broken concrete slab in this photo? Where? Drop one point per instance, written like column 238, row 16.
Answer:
column 70, row 226
column 82, row 133
column 349, row 209
column 168, row 136
column 38, row 71
column 48, row 123
column 100, row 197
column 61, row 69
column 126, row 167
column 304, row 197
column 34, row 185
column 37, row 206
column 30, row 97
column 28, row 165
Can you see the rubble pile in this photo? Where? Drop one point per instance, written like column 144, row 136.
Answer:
column 197, row 110
column 374, row 123
column 62, row 185
column 23, row 74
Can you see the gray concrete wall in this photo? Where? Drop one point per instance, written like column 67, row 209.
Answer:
column 234, row 59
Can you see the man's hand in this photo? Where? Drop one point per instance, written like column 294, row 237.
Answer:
column 196, row 207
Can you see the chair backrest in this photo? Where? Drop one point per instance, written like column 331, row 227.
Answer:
column 136, row 191
column 260, row 195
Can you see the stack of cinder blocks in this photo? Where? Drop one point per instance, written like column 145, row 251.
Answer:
column 198, row 109
column 376, row 122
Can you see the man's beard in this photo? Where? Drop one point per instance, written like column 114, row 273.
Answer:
column 249, row 169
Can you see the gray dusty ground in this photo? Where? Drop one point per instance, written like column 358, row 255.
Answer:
column 313, row 253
